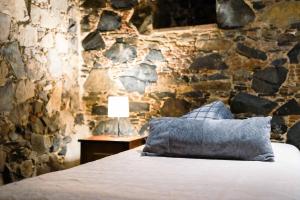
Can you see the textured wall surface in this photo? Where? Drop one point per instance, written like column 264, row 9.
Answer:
column 61, row 59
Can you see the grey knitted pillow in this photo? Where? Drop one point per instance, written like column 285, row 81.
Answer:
column 214, row 110
column 225, row 139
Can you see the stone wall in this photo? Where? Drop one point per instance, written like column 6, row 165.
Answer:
column 39, row 87
column 249, row 59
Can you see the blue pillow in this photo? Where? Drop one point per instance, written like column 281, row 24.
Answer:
column 214, row 110
column 223, row 139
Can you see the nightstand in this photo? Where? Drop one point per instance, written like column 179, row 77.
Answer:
column 96, row 147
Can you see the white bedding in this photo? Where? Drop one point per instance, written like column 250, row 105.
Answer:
column 129, row 176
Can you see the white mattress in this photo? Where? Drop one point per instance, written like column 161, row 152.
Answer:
column 129, row 176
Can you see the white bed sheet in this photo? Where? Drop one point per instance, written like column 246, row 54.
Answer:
column 130, row 176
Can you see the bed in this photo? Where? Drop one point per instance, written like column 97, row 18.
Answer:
column 129, row 175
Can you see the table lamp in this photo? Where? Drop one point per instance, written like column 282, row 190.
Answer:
column 118, row 106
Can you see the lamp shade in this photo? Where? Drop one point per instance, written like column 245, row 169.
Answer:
column 118, row 106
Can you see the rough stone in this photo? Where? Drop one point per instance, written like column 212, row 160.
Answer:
column 294, row 54
column 7, row 94
column 258, row 5
column 175, row 107
column 109, row 21
column 155, row 56
column 162, row 95
column 139, row 107
column 47, row 41
column 123, row 4
column 49, row 20
column 278, row 125
column 269, row 80
column 37, row 125
column 94, row 4
column 59, row 5
column 194, row 94
column 111, row 127
column 247, row 103
column 5, row 21
column 98, row 81
column 291, row 107
column 63, row 151
column 28, row 36
column 55, row 65
column 16, row 9
column 61, row 43
column 3, row 155
column 20, row 114
column 3, row 72
column 137, row 78
column 85, row 24
column 35, row 70
column 279, row 17
column 38, row 107
column 293, row 135
column 93, row 41
column 211, row 61
column 12, row 54
column 142, row 18
column 40, row 143
column 79, row 119
column 99, row 110
column 121, row 53
column 220, row 45
column 251, row 52
column 287, row 39
column 233, row 14
column 27, row 168
column 57, row 141
column 25, row 90
column 72, row 28
column 54, row 102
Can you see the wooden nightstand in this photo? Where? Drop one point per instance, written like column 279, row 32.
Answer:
column 97, row 147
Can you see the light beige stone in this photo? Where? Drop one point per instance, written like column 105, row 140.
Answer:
column 25, row 90
column 15, row 8
column 35, row 70
column 213, row 45
column 54, row 102
column 49, row 20
column 98, row 81
column 55, row 64
column 28, row 36
column 61, row 43
column 59, row 5
column 47, row 41
column 5, row 21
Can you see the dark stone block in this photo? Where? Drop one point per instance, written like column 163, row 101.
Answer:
column 294, row 54
column 175, row 107
column 258, row 5
column 212, row 61
column 289, row 108
column 293, row 135
column 155, row 56
column 109, row 21
column 99, row 110
column 121, row 53
column 279, row 62
column 247, row 103
column 287, row 39
column 85, row 24
column 217, row 77
column 161, row 95
column 94, row 4
column 278, row 125
column 295, row 26
column 79, row 119
column 194, row 94
column 269, row 80
column 139, row 107
column 233, row 14
column 123, row 4
column 142, row 18
column 251, row 52
column 93, row 41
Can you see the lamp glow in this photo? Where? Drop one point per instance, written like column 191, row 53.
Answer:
column 118, row 106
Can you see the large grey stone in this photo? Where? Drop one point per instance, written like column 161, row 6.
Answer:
column 40, row 143
column 25, row 90
column 139, row 107
column 211, row 61
column 4, row 69
column 155, row 56
column 233, row 13
column 93, row 41
column 269, row 80
column 7, row 94
column 109, row 21
column 111, row 127
column 278, row 125
column 294, row 54
column 5, row 21
column 293, row 135
column 12, row 54
column 121, row 53
column 247, row 103
column 132, row 84
column 99, row 110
